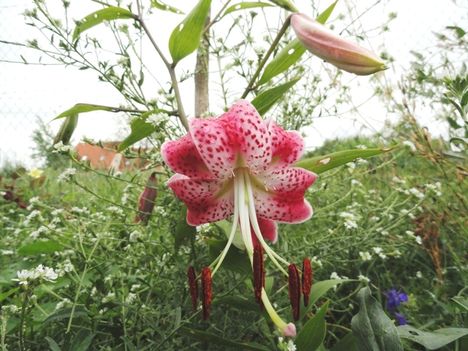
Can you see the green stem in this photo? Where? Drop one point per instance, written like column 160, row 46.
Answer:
column 273, row 46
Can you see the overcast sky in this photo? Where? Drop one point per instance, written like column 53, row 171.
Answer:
column 31, row 92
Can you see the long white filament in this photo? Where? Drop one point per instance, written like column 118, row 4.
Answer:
column 253, row 218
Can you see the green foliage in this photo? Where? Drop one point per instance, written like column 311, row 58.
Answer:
column 313, row 333
column 432, row 340
column 267, row 98
column 372, row 328
column 185, row 38
column 110, row 13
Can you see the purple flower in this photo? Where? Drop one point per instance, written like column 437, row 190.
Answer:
column 395, row 299
column 400, row 319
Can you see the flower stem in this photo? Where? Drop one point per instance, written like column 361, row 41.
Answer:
column 262, row 63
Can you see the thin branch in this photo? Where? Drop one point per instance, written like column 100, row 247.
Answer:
column 266, row 57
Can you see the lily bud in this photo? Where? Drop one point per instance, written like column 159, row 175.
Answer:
column 330, row 47
column 147, row 200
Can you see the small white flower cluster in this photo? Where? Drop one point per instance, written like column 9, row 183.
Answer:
column 10, row 309
column 34, row 214
column 365, row 256
column 398, row 180
column 64, row 303
column 36, row 233
column 66, row 175
column 315, row 260
column 350, row 219
column 24, row 277
column 417, row 238
column 436, row 188
column 116, row 210
column 134, row 236
column 60, row 147
column 379, row 251
column 410, row 145
column 417, row 193
column 355, row 182
column 286, row 346
column 156, row 119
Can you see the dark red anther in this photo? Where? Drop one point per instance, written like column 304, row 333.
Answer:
column 193, row 286
column 294, row 290
column 258, row 272
column 147, row 200
column 207, row 291
column 307, row 277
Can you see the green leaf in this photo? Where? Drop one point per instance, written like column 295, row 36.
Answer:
column 320, row 164
column 65, row 313
column 110, row 13
column 318, row 290
column 52, row 344
column 432, row 340
column 245, row 5
column 291, row 53
column 372, row 328
column 82, row 108
column 214, row 339
column 82, row 340
column 186, row 37
column 347, row 343
column 140, row 129
column 162, row 6
column 183, row 232
column 238, row 302
column 323, row 17
column 286, row 4
column 313, row 333
column 266, row 99
column 40, row 247
column 66, row 130
column 8, row 293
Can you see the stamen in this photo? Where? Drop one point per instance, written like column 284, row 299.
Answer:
column 193, row 286
column 207, row 291
column 258, row 272
column 307, row 276
column 294, row 290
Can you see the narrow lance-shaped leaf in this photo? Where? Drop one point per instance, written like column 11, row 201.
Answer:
column 66, row 129
column 291, row 53
column 313, row 333
column 246, row 5
column 140, row 129
column 373, row 330
column 82, row 108
column 320, row 164
column 266, row 99
column 110, row 13
column 186, row 37
column 165, row 7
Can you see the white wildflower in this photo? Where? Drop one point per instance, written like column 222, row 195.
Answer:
column 135, row 287
column 134, row 236
column 66, row 175
column 419, row 275
column 365, row 256
column 418, row 239
column 131, row 297
column 10, row 309
column 417, row 193
column 335, row 275
column 7, row 252
column 379, row 251
column 350, row 220
column 60, row 147
column 61, row 304
column 363, row 278
column 35, row 173
column 410, row 145
column 355, row 182
column 291, row 346
column 398, row 180
column 109, row 297
column 317, row 261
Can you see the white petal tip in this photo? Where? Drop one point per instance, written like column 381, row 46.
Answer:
column 289, row 330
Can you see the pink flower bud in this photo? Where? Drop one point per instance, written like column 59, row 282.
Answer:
column 147, row 200
column 330, row 47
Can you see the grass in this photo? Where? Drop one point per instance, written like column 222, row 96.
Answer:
column 394, row 221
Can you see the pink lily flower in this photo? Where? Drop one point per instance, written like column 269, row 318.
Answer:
column 240, row 165
column 332, row 48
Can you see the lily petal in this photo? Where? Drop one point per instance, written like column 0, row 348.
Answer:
column 238, row 138
column 287, row 146
column 284, row 198
column 183, row 157
column 207, row 200
column 269, row 230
